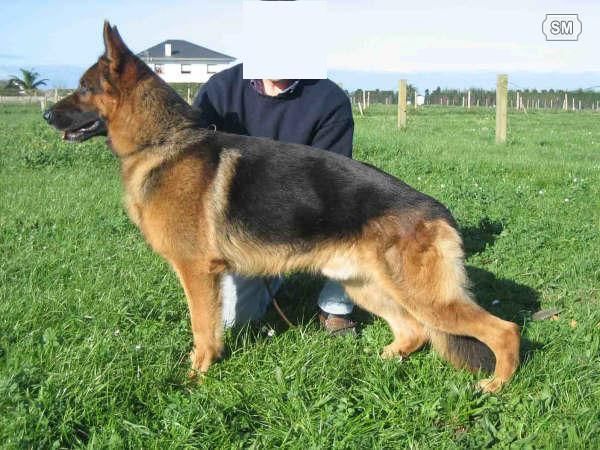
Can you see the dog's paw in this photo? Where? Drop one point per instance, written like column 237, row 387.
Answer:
column 202, row 359
column 490, row 385
column 392, row 352
column 194, row 375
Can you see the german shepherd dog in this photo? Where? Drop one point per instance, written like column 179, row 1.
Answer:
column 211, row 202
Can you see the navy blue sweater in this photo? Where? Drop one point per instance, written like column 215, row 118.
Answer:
column 315, row 112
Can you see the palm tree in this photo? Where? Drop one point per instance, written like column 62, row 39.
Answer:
column 28, row 82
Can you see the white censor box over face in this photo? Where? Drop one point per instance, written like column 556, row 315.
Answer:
column 284, row 40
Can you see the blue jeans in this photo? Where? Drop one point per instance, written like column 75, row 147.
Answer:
column 246, row 299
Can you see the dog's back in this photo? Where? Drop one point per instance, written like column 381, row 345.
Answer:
column 289, row 193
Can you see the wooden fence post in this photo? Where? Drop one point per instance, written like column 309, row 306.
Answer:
column 402, row 104
column 501, row 108
column 360, row 109
column 469, row 99
column 522, row 103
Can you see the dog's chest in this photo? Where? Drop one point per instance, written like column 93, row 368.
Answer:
column 134, row 173
column 165, row 203
column 134, row 209
column 159, row 226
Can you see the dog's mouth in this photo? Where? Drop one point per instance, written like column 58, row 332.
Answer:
column 84, row 132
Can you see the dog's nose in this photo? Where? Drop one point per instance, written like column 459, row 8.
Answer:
column 49, row 115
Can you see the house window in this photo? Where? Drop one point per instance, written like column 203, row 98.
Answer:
column 186, row 68
column 211, row 68
column 158, row 68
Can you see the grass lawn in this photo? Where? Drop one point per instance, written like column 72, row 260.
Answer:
column 94, row 332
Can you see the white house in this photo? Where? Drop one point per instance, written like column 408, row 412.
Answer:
column 179, row 61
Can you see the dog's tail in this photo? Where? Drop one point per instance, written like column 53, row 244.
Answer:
column 463, row 351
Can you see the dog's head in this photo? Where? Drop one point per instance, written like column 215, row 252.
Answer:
column 102, row 91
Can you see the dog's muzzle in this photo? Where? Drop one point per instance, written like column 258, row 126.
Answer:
column 76, row 127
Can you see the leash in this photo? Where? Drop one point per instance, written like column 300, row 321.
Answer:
column 276, row 305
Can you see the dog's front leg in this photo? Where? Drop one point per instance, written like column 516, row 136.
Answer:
column 202, row 289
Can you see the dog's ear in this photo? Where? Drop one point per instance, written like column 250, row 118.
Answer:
column 114, row 47
column 118, row 65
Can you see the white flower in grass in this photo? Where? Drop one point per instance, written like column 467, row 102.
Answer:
column 270, row 332
column 138, row 347
column 567, row 200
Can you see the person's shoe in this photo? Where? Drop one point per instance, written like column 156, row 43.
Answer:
column 337, row 324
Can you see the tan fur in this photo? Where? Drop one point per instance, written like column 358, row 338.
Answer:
column 425, row 274
column 134, row 171
column 409, row 334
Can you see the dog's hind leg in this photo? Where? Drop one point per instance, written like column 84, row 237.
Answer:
column 202, row 289
column 409, row 334
column 425, row 274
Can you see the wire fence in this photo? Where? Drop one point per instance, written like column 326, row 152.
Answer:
column 188, row 91
column 518, row 98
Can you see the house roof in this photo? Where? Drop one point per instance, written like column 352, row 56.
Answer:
column 181, row 49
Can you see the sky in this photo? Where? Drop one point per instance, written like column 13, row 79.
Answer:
column 379, row 36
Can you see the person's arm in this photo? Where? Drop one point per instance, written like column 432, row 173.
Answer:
column 204, row 105
column 335, row 134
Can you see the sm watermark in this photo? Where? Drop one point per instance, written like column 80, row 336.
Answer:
column 561, row 27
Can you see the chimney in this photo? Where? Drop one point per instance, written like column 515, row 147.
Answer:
column 167, row 49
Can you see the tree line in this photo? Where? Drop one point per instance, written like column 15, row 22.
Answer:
column 532, row 98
